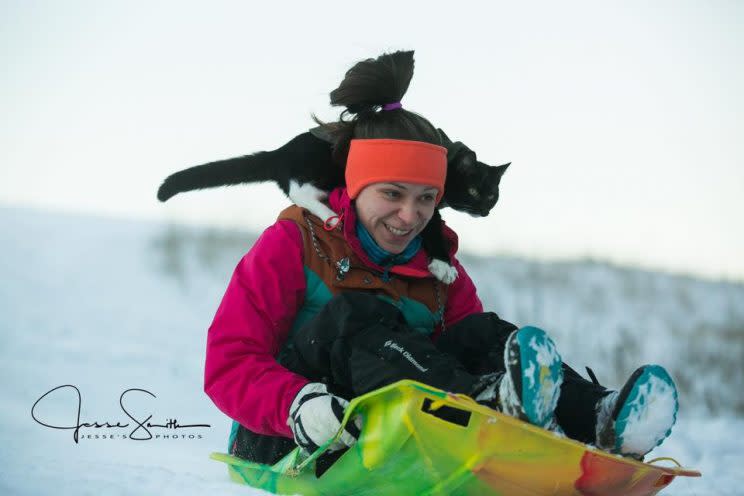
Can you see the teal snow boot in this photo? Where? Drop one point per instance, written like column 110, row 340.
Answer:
column 640, row 416
column 530, row 387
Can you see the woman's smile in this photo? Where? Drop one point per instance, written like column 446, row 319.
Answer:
column 398, row 232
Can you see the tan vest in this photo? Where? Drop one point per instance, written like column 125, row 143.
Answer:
column 324, row 251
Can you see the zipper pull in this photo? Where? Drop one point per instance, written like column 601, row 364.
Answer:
column 342, row 267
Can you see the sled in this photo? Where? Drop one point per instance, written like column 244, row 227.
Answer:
column 419, row 440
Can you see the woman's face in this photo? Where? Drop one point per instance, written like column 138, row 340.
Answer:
column 395, row 213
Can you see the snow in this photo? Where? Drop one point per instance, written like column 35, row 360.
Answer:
column 108, row 304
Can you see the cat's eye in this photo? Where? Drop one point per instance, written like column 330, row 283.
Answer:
column 472, row 191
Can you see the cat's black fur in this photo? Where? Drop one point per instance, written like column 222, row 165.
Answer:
column 305, row 158
column 471, row 186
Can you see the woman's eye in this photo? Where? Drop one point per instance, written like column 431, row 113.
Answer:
column 428, row 198
column 391, row 194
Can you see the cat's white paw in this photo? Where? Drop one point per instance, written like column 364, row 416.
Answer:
column 443, row 271
column 311, row 198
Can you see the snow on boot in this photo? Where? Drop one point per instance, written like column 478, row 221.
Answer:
column 530, row 387
column 637, row 419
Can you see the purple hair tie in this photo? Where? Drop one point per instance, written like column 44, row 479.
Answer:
column 392, row 106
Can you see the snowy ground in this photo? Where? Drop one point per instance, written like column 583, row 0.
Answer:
column 109, row 305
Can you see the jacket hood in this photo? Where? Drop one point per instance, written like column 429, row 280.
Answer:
column 418, row 266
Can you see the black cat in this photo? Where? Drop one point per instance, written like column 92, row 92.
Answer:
column 305, row 170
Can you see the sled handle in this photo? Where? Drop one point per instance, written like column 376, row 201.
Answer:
column 664, row 459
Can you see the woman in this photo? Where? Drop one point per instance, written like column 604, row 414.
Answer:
column 322, row 310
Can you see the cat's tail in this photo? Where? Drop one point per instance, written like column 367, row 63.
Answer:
column 220, row 173
column 288, row 161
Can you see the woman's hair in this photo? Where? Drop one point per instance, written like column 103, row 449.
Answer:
column 368, row 86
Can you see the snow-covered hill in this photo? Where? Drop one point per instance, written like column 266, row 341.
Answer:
column 108, row 305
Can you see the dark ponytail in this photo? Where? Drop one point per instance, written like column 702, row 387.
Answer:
column 367, row 86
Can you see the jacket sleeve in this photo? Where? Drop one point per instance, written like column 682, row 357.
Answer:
column 241, row 375
column 462, row 298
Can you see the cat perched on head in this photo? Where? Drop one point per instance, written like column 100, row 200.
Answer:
column 313, row 163
column 306, row 169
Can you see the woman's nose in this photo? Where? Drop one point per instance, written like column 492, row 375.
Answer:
column 408, row 214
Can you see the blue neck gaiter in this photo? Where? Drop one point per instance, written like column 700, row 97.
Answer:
column 382, row 257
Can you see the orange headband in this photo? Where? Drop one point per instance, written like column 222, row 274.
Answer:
column 384, row 160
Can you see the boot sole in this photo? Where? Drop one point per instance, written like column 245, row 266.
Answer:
column 649, row 385
column 537, row 374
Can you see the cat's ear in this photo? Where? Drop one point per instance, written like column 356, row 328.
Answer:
column 499, row 170
column 461, row 160
column 467, row 157
column 445, row 139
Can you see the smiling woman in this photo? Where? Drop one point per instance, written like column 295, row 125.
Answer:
column 315, row 315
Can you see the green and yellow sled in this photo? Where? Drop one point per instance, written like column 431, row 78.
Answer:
column 418, row 440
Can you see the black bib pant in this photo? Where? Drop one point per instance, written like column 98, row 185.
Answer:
column 358, row 343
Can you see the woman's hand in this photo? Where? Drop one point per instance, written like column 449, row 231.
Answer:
column 315, row 416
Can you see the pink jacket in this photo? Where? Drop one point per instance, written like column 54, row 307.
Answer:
column 265, row 292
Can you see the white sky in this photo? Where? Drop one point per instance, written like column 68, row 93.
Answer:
column 623, row 120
